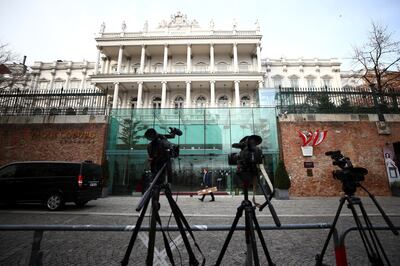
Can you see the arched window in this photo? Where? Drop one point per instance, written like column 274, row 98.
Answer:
column 201, row 101
column 243, row 66
column 277, row 81
column 222, row 66
column 201, row 67
column 135, row 68
column 134, row 102
column 223, row 101
column 158, row 67
column 245, row 101
column 180, row 67
column 156, row 102
column 178, row 102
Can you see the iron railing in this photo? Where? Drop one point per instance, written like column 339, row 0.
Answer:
column 338, row 100
column 53, row 102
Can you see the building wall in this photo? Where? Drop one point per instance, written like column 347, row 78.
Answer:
column 52, row 141
column 358, row 140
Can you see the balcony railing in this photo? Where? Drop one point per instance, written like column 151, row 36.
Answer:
column 53, row 102
column 182, row 69
column 338, row 100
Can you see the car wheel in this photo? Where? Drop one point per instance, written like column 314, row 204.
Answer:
column 81, row 203
column 54, row 202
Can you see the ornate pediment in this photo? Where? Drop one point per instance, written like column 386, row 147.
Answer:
column 178, row 20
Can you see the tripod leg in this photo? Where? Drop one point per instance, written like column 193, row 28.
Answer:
column 363, row 235
column 385, row 217
column 166, row 243
column 135, row 232
column 264, row 245
column 319, row 257
column 250, row 236
column 239, row 214
column 374, row 237
column 178, row 218
column 155, row 205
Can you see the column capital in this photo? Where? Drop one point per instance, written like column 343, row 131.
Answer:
column 166, row 45
column 237, row 81
column 116, row 83
column 99, row 47
column 212, row 44
column 121, row 47
column 163, row 82
column 212, row 81
column 189, row 44
column 188, row 82
column 140, row 82
column 235, row 44
column 143, row 45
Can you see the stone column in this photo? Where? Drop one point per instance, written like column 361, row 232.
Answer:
column 96, row 67
column 237, row 94
column 53, row 74
column 103, row 65
column 163, row 94
column 189, row 59
column 139, row 95
column 212, row 93
column 235, row 58
column 120, row 54
column 66, row 85
column 83, row 81
column 260, row 84
column 115, row 97
column 188, row 96
column 107, row 68
column 212, row 58
column 142, row 58
column 165, row 58
column 259, row 58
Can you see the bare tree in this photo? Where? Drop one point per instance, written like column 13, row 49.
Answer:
column 12, row 74
column 379, row 58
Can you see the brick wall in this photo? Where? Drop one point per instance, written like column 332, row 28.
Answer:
column 358, row 140
column 69, row 142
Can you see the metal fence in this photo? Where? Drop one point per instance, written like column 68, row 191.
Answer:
column 338, row 100
column 53, row 102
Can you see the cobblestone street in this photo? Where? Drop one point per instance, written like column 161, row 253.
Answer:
column 287, row 247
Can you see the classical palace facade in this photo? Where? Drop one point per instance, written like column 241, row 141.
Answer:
column 180, row 65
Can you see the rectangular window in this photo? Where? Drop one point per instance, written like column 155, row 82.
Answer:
column 327, row 82
column 277, row 82
column 294, row 83
column 310, row 83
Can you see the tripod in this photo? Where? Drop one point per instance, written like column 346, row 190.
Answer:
column 371, row 242
column 250, row 218
column 153, row 194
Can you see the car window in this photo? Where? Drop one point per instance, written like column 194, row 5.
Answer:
column 91, row 170
column 64, row 169
column 31, row 170
column 8, row 171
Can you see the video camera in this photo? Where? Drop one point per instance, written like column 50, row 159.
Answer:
column 249, row 156
column 349, row 176
column 160, row 146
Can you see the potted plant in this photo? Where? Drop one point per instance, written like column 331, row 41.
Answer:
column 395, row 187
column 281, row 182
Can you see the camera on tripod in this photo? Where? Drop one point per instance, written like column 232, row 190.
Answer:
column 248, row 158
column 350, row 176
column 160, row 147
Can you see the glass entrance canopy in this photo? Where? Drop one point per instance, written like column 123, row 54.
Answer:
column 208, row 135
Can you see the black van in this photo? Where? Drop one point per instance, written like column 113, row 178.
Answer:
column 52, row 183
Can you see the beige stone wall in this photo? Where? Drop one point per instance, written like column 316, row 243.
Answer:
column 358, row 140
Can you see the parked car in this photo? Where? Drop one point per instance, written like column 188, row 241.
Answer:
column 50, row 182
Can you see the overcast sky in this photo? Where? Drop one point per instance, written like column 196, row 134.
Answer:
column 47, row 30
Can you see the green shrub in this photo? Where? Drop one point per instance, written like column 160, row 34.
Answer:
column 395, row 184
column 281, row 180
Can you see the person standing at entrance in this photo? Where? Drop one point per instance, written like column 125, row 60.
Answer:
column 207, row 182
